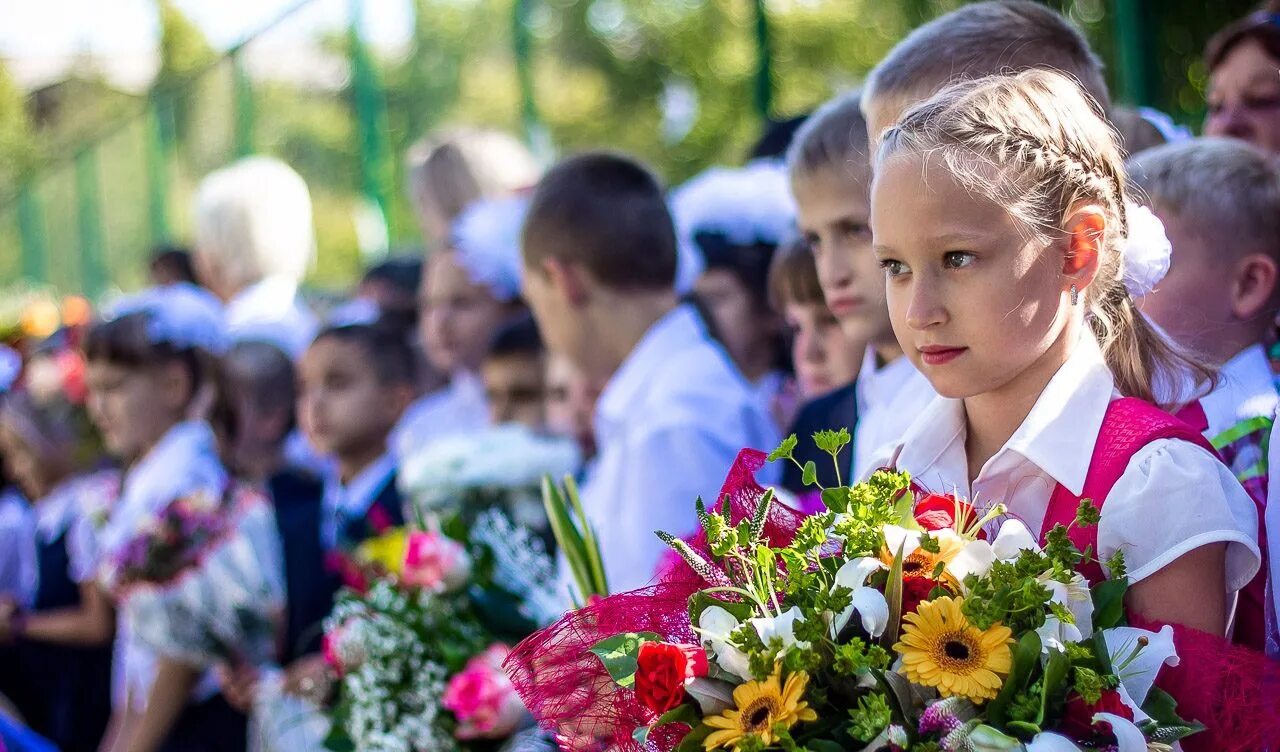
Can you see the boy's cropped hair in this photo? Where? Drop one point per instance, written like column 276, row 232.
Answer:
column 1224, row 187
column 607, row 213
column 986, row 38
column 517, row 337
column 834, row 136
column 386, row 348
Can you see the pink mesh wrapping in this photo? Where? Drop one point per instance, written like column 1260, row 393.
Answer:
column 1233, row 690
column 567, row 689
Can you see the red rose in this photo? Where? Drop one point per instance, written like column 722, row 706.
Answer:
column 915, row 590
column 939, row 511
column 662, row 669
column 1077, row 718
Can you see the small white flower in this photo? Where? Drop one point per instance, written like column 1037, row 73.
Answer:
column 1013, row 538
column 1138, row 666
column 715, row 625
column 782, row 626
column 867, row 602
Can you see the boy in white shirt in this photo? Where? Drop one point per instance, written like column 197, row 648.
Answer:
column 599, row 254
column 830, row 172
column 1219, row 200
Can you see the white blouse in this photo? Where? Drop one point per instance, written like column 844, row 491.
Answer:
column 889, row 399
column 1173, row 497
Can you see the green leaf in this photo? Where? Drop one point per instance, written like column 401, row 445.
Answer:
column 1026, row 658
column 1163, row 709
column 685, row 713
column 824, row 745
column 1108, row 604
column 809, row 476
column 619, row 652
column 701, row 601
column 832, row 442
column 568, row 539
column 785, row 449
column 1055, row 675
column 692, row 742
column 599, row 582
column 893, row 594
column 836, row 499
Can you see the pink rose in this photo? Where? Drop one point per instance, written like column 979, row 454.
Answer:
column 342, row 650
column 482, row 698
column 435, row 562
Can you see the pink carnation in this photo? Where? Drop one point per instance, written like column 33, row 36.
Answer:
column 435, row 562
column 482, row 698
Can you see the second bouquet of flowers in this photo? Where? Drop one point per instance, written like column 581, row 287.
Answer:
column 893, row 620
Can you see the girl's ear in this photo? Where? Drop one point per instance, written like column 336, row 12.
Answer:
column 1086, row 231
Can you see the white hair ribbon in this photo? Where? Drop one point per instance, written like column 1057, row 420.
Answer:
column 1147, row 251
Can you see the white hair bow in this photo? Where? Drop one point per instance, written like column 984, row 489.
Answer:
column 1146, row 251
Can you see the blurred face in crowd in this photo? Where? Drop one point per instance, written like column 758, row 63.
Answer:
column 134, row 407
column 1244, row 97
column 457, row 316
column 514, row 388
column 570, row 403
column 344, row 408
column 746, row 331
column 824, row 358
column 834, row 214
column 35, row 472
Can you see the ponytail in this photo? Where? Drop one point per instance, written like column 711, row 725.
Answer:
column 1145, row 363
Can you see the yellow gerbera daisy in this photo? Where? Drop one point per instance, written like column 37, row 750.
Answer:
column 759, row 707
column 941, row 649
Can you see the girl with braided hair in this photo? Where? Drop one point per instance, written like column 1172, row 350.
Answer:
column 1012, row 259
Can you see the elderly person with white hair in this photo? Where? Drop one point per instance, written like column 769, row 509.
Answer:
column 254, row 243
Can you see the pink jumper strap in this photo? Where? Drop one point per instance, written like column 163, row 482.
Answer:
column 1129, row 425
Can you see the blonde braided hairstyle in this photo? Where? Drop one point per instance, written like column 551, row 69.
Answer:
column 1039, row 146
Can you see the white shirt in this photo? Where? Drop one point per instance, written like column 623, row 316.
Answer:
column 460, row 407
column 17, row 548
column 1273, row 537
column 1173, row 497
column 271, row 310
column 889, row 399
column 352, row 501
column 669, row 425
column 1245, row 390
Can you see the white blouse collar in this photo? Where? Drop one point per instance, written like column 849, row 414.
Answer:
column 1057, row 436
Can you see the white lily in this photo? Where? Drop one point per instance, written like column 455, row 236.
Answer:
column 782, row 626
column 715, row 624
column 1050, row 742
column 1013, row 538
column 867, row 602
column 712, row 695
column 1075, row 597
column 975, row 558
column 1137, row 666
column 1129, row 737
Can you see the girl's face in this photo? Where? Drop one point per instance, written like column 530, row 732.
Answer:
column 833, row 213
column 1244, row 97
column 824, row 358
column 134, row 407
column 975, row 304
column 32, row 472
column 457, row 316
column 746, row 331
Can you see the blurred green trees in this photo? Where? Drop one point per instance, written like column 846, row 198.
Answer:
column 673, row 81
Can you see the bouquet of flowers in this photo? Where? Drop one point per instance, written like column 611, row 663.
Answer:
column 202, row 579
column 893, row 620
column 501, row 467
column 420, row 653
